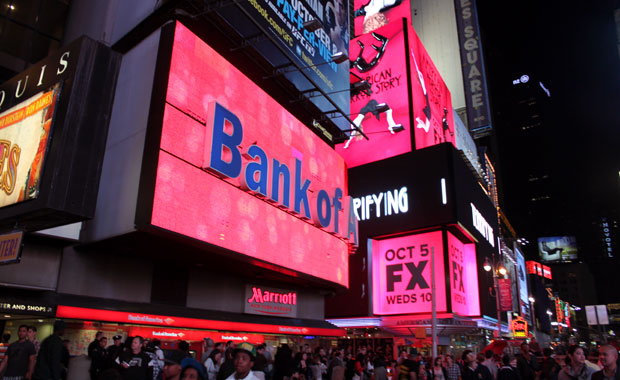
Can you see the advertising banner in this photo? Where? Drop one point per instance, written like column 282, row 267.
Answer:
column 247, row 176
column 194, row 335
column 24, row 135
column 463, row 277
column 505, row 294
column 401, row 273
column 522, row 283
column 433, row 116
column 373, row 14
column 557, row 248
column 11, row 247
column 383, row 115
column 519, row 328
column 284, row 20
column 270, row 301
column 476, row 93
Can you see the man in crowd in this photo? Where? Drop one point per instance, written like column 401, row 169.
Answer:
column 94, row 344
column 19, row 358
column 50, row 359
column 114, row 351
column 260, row 363
column 172, row 365
column 473, row 370
column 99, row 358
column 490, row 363
column 526, row 363
column 245, row 354
column 32, row 336
column 608, row 356
column 453, row 370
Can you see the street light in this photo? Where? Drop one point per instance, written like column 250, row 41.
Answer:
column 497, row 267
column 532, row 314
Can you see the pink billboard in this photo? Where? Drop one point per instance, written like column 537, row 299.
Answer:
column 372, row 14
column 432, row 104
column 463, row 277
column 401, row 274
column 383, row 115
column 246, row 175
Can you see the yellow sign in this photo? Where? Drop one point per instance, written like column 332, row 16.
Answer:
column 519, row 327
column 10, row 245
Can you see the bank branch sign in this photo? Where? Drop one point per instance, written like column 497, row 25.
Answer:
column 245, row 175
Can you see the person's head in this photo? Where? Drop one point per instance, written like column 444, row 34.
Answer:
column 103, row 342
column 506, row 359
column 576, row 355
column 32, row 333
column 172, row 363
column 136, row 344
column 230, row 344
column 547, row 351
column 156, row 343
column 22, row 332
column 608, row 356
column 215, row 355
column 525, row 348
column 468, row 357
column 6, row 337
column 488, row 354
column 245, row 353
column 191, row 369
column 260, row 349
column 449, row 360
column 220, row 346
column 437, row 362
column 98, row 335
column 59, row 327
column 118, row 339
column 183, row 346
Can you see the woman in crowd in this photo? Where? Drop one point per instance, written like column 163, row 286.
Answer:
column 437, row 371
column 508, row 371
column 212, row 364
column 575, row 368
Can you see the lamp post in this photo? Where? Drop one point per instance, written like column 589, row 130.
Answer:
column 497, row 269
column 532, row 300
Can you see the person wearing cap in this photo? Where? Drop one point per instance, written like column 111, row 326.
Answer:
column 245, row 354
column 191, row 369
column 49, row 361
column 172, row 365
column 114, row 351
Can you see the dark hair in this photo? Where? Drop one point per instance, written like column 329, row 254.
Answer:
column 506, row 359
column 6, row 337
column 449, row 356
column 155, row 342
column 23, row 327
column 465, row 353
column 141, row 339
column 437, row 359
column 488, row 354
column 213, row 353
column 33, row 328
column 183, row 346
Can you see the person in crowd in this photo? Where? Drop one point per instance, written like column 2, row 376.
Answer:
column 423, row 371
column 32, row 336
column 134, row 362
column 336, row 364
column 315, row 367
column 94, row 344
column 4, row 345
column 191, row 369
column 184, row 347
column 99, row 359
column 19, row 358
column 260, row 364
column 508, row 370
column 212, row 364
column 526, row 363
column 408, row 368
column 591, row 359
column 549, row 368
column 608, row 356
column 49, row 363
column 453, row 370
column 228, row 366
column 172, row 365
column 156, row 364
column 437, row 371
column 114, row 350
column 245, row 354
column 380, row 370
column 472, row 370
column 490, row 363
column 283, row 362
column 230, row 345
column 208, row 345
column 301, row 364
column 535, row 347
column 575, row 368
column 64, row 359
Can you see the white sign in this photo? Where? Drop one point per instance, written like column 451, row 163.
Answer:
column 386, row 203
column 482, row 225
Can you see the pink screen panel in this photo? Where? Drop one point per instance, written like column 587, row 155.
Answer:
column 401, row 273
column 193, row 202
column 464, row 293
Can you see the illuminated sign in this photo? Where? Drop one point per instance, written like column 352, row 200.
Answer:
column 382, row 204
column 463, row 270
column 557, row 248
column 246, row 176
column 519, row 328
column 607, row 241
column 482, row 225
column 87, row 314
column 432, row 103
column 24, row 135
column 522, row 282
column 10, row 247
column 194, row 335
column 401, row 272
column 270, row 301
column 505, row 294
column 383, row 115
column 24, row 308
column 373, row 14
column 536, row 268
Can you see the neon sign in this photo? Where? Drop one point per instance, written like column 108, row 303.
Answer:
column 482, row 225
column 519, row 327
column 463, row 277
column 270, row 301
column 385, row 203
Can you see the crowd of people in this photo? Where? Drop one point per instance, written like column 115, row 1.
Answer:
column 142, row 359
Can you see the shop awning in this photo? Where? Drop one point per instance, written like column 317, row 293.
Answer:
column 178, row 317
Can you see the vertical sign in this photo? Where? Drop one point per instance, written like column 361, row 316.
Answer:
column 476, row 98
column 463, row 277
column 591, row 315
column 401, row 272
column 505, row 294
column 524, row 301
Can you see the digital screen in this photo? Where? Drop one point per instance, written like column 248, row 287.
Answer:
column 373, row 14
column 433, row 118
column 401, row 273
column 557, row 248
column 463, row 277
column 383, row 115
column 522, row 281
column 263, row 195
column 24, row 138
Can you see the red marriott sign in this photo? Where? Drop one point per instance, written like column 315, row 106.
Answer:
column 270, row 301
